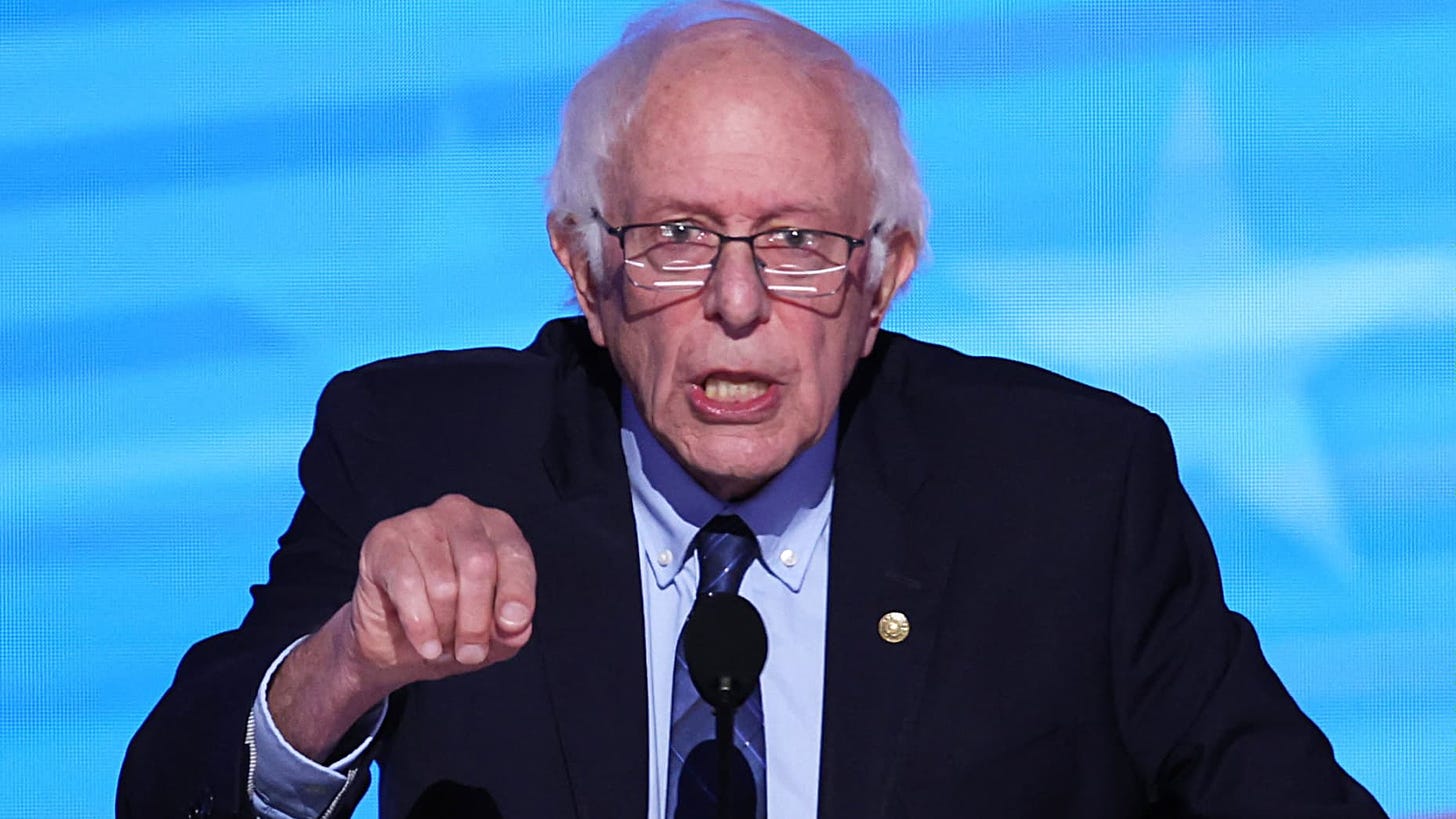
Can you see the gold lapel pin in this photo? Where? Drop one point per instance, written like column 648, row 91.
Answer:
column 894, row 627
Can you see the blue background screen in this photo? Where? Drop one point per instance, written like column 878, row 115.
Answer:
column 1239, row 214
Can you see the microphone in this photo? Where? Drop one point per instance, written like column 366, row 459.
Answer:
column 724, row 646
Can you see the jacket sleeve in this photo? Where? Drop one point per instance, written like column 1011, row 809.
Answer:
column 1202, row 713
column 190, row 757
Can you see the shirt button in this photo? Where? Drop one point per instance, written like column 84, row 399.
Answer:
column 664, row 557
column 788, row 558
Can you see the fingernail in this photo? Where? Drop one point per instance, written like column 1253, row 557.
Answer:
column 430, row 650
column 514, row 614
column 470, row 655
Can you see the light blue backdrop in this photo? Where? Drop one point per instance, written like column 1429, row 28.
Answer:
column 1240, row 214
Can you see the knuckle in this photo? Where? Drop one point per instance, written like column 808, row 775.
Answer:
column 384, row 534
column 453, row 502
column 401, row 532
column 497, row 520
column 477, row 564
column 520, row 576
column 413, row 621
column 445, row 588
column 403, row 584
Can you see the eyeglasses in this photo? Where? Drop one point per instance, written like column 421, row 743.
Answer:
column 680, row 256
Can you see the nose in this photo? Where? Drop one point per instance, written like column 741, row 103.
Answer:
column 734, row 295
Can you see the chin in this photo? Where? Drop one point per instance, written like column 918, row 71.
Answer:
column 730, row 472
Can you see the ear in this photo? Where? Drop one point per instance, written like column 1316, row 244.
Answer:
column 900, row 258
column 567, row 244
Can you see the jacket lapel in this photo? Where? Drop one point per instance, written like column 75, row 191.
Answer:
column 589, row 616
column 589, row 604
column 881, row 561
column 589, row 630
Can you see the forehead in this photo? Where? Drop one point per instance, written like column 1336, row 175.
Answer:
column 733, row 123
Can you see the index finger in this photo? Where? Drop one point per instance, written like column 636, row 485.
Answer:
column 515, row 583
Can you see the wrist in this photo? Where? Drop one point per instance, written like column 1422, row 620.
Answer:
column 361, row 682
column 321, row 690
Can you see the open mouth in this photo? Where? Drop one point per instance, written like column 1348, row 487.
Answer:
column 725, row 390
column 740, row 398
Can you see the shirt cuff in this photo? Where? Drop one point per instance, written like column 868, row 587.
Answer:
column 284, row 783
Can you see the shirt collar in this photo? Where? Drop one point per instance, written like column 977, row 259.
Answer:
column 790, row 514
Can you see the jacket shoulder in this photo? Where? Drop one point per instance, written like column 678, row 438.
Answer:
column 490, row 384
column 939, row 380
column 963, row 419
column 560, row 346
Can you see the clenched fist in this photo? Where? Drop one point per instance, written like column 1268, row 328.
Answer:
column 443, row 589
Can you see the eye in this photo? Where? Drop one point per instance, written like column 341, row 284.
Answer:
column 793, row 238
column 681, row 233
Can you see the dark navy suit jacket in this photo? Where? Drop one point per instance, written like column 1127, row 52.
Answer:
column 1069, row 655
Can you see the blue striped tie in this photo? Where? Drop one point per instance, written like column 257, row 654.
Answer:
column 725, row 547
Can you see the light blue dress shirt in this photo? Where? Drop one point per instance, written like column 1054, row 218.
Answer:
column 789, row 585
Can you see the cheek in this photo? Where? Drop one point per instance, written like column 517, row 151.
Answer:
column 644, row 356
column 829, row 351
column 845, row 341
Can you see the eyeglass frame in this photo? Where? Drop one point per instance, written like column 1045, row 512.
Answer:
column 619, row 232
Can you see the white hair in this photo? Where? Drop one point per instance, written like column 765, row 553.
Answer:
column 605, row 100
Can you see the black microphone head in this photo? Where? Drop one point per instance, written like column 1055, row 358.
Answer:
column 725, row 646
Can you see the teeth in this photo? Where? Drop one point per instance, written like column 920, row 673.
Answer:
column 732, row 392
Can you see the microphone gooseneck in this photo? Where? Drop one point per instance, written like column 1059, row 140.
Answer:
column 725, row 646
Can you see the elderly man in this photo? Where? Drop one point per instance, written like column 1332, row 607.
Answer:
column 985, row 591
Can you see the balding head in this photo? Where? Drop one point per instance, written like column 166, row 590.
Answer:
column 605, row 104
column 731, row 94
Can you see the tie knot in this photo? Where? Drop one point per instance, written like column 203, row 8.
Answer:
column 725, row 547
